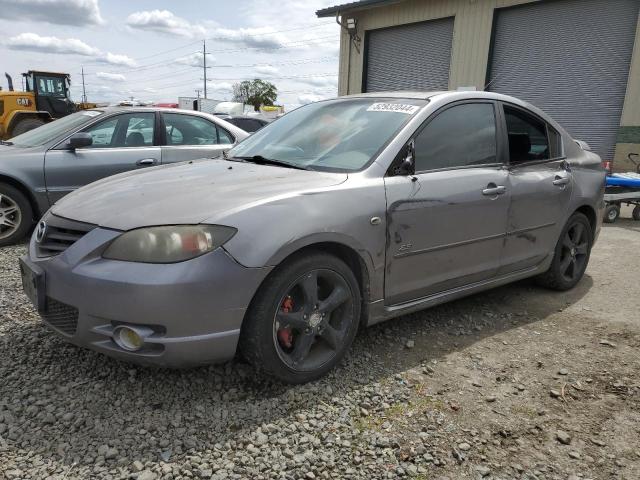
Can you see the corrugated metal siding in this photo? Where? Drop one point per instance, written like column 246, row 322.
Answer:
column 571, row 58
column 409, row 57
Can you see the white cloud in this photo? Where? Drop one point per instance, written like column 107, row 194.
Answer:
column 164, row 21
column 112, row 77
column 194, row 60
column 66, row 46
column 258, row 37
column 328, row 81
column 309, row 98
column 114, row 59
column 266, row 70
column 62, row 12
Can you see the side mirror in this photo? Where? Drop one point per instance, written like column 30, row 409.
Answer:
column 407, row 164
column 79, row 140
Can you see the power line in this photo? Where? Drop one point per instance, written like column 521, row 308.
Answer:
column 299, row 43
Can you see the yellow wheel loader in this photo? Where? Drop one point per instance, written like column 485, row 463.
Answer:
column 46, row 97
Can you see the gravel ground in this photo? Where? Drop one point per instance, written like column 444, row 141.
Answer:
column 516, row 383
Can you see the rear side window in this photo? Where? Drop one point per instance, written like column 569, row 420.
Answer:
column 527, row 136
column 189, row 130
column 463, row 135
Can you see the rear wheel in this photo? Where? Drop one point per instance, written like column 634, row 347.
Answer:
column 303, row 319
column 571, row 255
column 25, row 125
column 16, row 215
column 636, row 213
column 611, row 213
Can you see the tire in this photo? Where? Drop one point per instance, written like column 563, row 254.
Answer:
column 571, row 255
column 25, row 125
column 636, row 213
column 611, row 213
column 16, row 215
column 282, row 321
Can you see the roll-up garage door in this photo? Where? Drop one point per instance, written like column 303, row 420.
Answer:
column 570, row 58
column 409, row 57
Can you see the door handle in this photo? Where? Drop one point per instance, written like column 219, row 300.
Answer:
column 146, row 162
column 494, row 190
column 560, row 181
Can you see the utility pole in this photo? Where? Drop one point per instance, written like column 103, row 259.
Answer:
column 84, row 92
column 204, row 64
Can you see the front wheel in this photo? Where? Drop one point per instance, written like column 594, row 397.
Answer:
column 303, row 319
column 571, row 255
column 16, row 215
column 636, row 213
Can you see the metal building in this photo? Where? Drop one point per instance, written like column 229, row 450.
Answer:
column 579, row 60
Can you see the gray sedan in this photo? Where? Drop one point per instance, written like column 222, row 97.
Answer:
column 39, row 167
column 338, row 215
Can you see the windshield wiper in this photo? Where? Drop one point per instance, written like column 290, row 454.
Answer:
column 260, row 160
column 2, row 142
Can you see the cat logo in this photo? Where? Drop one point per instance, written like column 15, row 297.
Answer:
column 23, row 101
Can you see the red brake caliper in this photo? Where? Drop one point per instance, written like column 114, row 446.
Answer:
column 285, row 335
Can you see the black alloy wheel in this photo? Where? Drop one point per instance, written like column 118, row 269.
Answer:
column 575, row 249
column 571, row 255
column 312, row 320
column 303, row 318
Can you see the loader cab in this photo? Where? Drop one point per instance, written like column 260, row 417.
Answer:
column 51, row 92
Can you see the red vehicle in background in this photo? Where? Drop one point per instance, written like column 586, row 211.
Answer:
column 166, row 105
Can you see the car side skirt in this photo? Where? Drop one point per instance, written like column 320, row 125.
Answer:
column 379, row 312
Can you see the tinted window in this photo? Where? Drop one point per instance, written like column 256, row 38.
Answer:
column 527, row 136
column 190, row 130
column 459, row 136
column 50, row 131
column 127, row 130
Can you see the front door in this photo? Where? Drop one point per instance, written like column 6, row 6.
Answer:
column 540, row 183
column 447, row 222
column 120, row 143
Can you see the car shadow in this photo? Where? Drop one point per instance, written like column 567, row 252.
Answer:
column 73, row 400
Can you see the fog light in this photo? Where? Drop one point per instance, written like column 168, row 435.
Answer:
column 130, row 338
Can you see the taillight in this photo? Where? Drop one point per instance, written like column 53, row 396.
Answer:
column 607, row 166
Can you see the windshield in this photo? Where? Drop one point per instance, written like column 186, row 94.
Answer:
column 336, row 135
column 52, row 130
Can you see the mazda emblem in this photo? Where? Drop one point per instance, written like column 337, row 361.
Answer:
column 41, row 231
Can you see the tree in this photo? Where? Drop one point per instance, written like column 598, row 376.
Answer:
column 255, row 92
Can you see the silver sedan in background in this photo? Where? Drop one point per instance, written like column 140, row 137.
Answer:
column 39, row 167
column 338, row 215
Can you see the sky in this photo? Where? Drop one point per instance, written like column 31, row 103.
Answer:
column 152, row 49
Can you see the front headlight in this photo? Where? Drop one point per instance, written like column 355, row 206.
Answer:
column 169, row 244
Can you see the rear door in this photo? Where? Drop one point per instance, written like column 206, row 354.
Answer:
column 447, row 222
column 189, row 137
column 540, row 183
column 121, row 142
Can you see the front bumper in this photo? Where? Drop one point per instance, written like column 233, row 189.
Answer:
column 195, row 308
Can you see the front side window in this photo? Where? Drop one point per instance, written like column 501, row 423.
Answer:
column 189, row 130
column 334, row 135
column 527, row 136
column 126, row 130
column 460, row 136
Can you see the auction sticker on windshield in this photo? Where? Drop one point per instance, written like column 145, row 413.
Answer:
column 393, row 107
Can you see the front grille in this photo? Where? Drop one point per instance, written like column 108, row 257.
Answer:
column 59, row 234
column 61, row 316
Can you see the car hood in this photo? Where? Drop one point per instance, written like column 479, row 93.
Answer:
column 203, row 191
